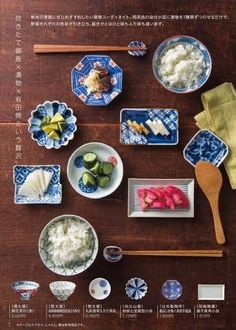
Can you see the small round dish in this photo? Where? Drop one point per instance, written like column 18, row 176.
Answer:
column 75, row 169
column 169, row 43
column 25, row 289
column 62, row 290
column 136, row 288
column 75, row 267
column 48, row 110
column 81, row 71
column 99, row 288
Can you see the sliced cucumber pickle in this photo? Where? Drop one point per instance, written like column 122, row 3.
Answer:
column 88, row 179
column 103, row 180
column 89, row 159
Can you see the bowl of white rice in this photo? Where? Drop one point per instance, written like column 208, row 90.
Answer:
column 181, row 64
column 68, row 245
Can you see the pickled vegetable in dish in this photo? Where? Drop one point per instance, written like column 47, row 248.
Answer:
column 162, row 197
column 54, row 126
column 98, row 80
column 98, row 172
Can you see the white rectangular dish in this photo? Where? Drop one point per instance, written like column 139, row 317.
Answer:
column 211, row 292
column 134, row 209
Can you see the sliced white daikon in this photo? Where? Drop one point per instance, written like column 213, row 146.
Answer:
column 153, row 127
column 164, row 130
column 33, row 182
column 41, row 180
column 27, row 191
column 47, row 178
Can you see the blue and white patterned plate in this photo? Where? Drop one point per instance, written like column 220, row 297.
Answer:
column 169, row 118
column 49, row 108
column 136, row 288
column 82, row 69
column 172, row 289
column 54, row 192
column 176, row 40
column 205, row 146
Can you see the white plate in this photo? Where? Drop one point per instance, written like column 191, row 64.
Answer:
column 211, row 292
column 99, row 288
column 103, row 151
column 134, row 210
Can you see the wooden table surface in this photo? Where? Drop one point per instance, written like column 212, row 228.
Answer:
column 47, row 77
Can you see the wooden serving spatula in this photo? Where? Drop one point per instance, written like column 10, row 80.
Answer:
column 210, row 181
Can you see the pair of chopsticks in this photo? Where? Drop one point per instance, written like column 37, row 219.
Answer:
column 171, row 253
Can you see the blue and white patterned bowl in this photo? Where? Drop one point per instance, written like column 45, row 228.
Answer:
column 136, row 288
column 62, row 290
column 172, row 289
column 176, row 40
column 54, row 192
column 205, row 146
column 49, row 108
column 82, row 69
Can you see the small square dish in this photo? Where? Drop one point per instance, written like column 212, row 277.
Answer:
column 206, row 146
column 37, row 184
column 161, row 198
column 211, row 292
column 149, row 126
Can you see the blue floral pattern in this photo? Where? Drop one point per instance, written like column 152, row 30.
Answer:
column 50, row 109
column 205, row 146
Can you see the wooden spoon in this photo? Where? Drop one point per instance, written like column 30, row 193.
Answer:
column 210, row 181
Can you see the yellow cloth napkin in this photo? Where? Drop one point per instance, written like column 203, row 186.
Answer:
column 219, row 116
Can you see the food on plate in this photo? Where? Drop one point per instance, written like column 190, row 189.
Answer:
column 157, row 127
column 54, row 126
column 103, row 180
column 70, row 241
column 36, row 184
column 98, row 80
column 181, row 65
column 162, row 197
column 89, row 159
column 98, row 172
column 88, row 179
column 139, row 128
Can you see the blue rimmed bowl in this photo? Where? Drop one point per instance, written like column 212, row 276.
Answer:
column 49, row 108
column 82, row 69
column 171, row 42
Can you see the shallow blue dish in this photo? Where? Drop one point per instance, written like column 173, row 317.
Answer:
column 82, row 69
column 170, row 42
column 205, row 146
column 54, row 192
column 136, row 288
column 49, row 108
column 129, row 136
column 172, row 289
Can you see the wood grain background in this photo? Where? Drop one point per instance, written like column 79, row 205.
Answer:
column 47, row 77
